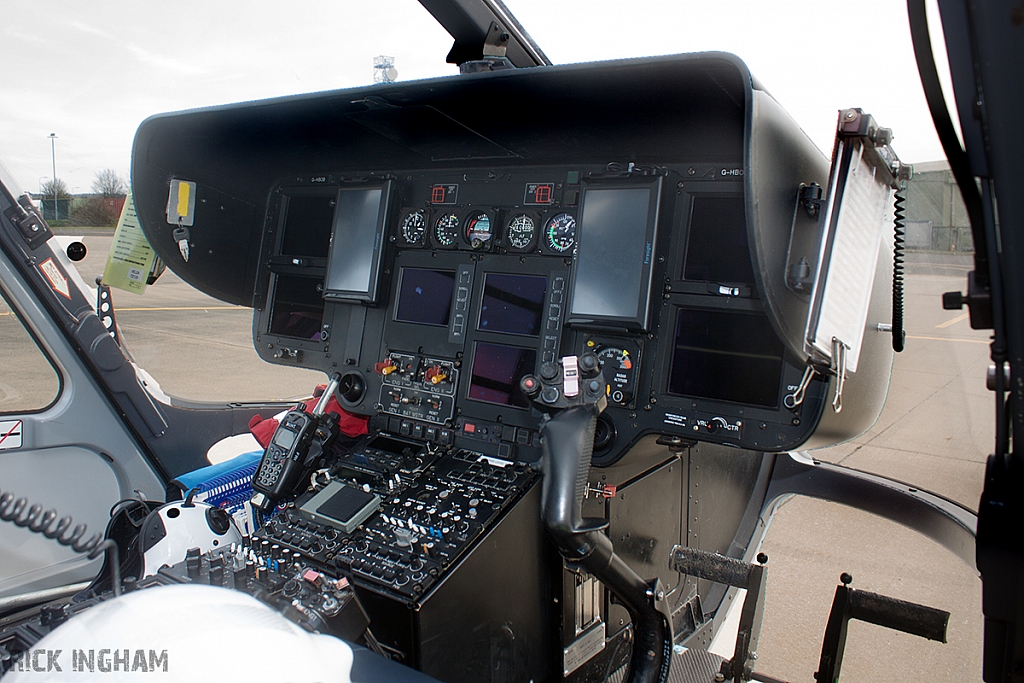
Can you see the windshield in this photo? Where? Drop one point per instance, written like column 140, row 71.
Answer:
column 92, row 75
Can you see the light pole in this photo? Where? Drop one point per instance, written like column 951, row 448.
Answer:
column 53, row 157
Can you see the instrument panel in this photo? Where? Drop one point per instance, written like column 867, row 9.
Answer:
column 455, row 285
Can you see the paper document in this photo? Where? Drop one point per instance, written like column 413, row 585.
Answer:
column 131, row 258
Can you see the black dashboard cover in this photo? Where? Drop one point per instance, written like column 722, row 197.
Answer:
column 655, row 109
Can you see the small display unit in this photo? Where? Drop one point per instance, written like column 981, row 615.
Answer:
column 357, row 243
column 615, row 251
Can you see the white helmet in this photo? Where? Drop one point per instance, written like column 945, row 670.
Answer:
column 171, row 530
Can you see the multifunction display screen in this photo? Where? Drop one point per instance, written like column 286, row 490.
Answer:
column 425, row 296
column 513, row 304
column 307, row 226
column 616, row 237
column 357, row 246
column 497, row 369
column 298, row 307
column 716, row 248
column 726, row 356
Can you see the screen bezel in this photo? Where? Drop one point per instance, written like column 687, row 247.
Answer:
column 640, row 319
column 370, row 294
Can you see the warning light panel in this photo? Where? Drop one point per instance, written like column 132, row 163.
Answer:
column 444, row 194
column 539, row 193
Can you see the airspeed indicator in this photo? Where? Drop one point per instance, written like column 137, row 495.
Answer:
column 560, row 232
column 446, row 229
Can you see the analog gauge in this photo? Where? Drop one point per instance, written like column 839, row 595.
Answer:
column 446, row 229
column 414, row 226
column 521, row 231
column 618, row 367
column 478, row 230
column 560, row 232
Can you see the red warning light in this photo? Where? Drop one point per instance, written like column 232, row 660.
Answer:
column 437, row 194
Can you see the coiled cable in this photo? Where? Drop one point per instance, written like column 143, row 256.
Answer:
column 35, row 519
column 899, row 335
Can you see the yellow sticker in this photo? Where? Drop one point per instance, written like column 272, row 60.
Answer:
column 181, row 202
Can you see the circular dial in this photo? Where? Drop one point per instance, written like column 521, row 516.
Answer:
column 618, row 369
column 521, row 231
column 446, row 229
column 560, row 232
column 478, row 230
column 414, row 226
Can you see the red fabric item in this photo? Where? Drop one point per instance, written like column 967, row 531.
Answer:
column 262, row 430
column 350, row 425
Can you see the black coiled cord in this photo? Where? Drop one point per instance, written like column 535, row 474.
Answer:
column 34, row 519
column 899, row 335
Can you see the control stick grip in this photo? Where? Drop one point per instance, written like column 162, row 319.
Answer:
column 568, row 445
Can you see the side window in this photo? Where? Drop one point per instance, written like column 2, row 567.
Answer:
column 28, row 381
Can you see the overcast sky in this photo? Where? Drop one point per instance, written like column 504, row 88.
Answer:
column 91, row 72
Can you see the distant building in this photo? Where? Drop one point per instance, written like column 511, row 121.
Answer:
column 936, row 217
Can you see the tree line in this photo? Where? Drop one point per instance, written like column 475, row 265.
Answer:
column 100, row 209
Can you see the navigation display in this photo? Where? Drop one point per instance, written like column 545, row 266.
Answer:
column 353, row 263
column 616, row 236
column 497, row 369
column 513, row 304
column 726, row 356
column 425, row 296
column 298, row 308
column 716, row 248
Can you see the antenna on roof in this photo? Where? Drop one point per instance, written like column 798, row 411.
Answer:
column 384, row 70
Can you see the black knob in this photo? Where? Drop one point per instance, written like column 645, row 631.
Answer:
column 549, row 394
column 588, row 365
column 351, row 387
column 549, row 371
column 953, row 301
